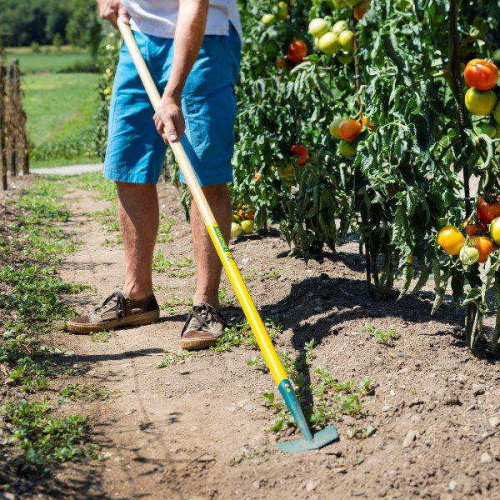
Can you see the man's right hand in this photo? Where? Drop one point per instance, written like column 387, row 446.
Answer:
column 111, row 10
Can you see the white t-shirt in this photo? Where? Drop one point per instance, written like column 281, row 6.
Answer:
column 159, row 17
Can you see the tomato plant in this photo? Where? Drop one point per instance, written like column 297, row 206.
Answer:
column 353, row 119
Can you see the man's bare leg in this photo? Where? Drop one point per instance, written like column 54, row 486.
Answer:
column 139, row 218
column 208, row 263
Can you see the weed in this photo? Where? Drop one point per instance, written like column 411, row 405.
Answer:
column 173, row 358
column 102, row 336
column 383, row 336
column 172, row 304
column 174, row 265
column 86, row 393
column 103, row 189
column 241, row 335
column 43, row 439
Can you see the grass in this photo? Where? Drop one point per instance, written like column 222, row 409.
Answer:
column 48, row 60
column 32, row 247
column 60, row 102
column 59, row 106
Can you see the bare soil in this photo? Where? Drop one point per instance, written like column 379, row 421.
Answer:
column 197, row 429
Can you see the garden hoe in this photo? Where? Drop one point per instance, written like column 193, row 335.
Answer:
column 310, row 441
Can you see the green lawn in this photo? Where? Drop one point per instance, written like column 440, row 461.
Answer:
column 59, row 106
column 48, row 60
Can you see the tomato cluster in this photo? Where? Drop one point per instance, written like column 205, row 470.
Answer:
column 242, row 223
column 483, row 235
column 481, row 99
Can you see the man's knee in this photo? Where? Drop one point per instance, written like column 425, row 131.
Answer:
column 217, row 192
column 135, row 189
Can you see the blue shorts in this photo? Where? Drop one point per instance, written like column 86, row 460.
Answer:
column 136, row 152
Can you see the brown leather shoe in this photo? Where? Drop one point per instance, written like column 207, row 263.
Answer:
column 117, row 311
column 203, row 326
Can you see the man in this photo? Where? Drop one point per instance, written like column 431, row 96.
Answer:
column 192, row 48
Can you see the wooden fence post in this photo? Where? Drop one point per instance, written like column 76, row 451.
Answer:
column 11, row 118
column 3, row 149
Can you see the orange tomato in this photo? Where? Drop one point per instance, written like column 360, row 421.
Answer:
column 349, row 130
column 257, row 176
column 360, row 10
column 297, row 51
column 481, row 74
column 485, row 246
column 301, row 152
column 451, row 240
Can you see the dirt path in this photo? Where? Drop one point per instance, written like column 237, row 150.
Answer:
column 70, row 169
column 197, row 429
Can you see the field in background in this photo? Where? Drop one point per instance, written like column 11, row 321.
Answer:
column 60, row 103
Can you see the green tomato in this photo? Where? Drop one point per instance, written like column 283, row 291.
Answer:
column 334, row 127
column 487, row 129
column 282, row 11
column 339, row 26
column 236, row 230
column 346, row 39
column 481, row 103
column 329, row 43
column 338, row 4
column 318, row 27
column 268, row 19
column 352, row 3
column 247, row 226
column 347, row 150
column 468, row 255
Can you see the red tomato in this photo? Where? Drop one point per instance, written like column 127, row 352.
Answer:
column 301, row 152
column 297, row 51
column 487, row 210
column 481, row 74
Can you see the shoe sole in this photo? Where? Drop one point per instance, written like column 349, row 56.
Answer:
column 135, row 320
column 197, row 344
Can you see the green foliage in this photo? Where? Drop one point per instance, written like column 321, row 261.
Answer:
column 44, row 439
column 410, row 172
column 50, row 21
column 383, row 336
column 241, row 336
column 30, row 303
column 86, row 393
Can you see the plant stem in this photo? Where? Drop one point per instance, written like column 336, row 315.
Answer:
column 457, row 93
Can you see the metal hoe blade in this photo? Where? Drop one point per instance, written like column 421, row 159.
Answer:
column 309, row 442
column 320, row 439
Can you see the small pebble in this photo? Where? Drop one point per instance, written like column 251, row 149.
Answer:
column 494, row 421
column 485, row 458
column 311, row 486
column 206, row 458
column 410, row 437
column 452, row 485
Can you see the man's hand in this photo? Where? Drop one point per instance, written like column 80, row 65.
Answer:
column 111, row 10
column 169, row 119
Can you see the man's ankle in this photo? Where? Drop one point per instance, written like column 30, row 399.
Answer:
column 138, row 295
column 203, row 299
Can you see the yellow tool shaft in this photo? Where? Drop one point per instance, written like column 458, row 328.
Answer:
column 240, row 289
